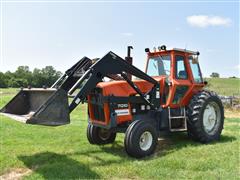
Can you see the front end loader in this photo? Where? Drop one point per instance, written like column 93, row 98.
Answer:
column 167, row 97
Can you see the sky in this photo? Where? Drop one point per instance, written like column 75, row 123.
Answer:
column 41, row 33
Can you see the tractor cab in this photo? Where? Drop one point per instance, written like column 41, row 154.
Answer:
column 181, row 73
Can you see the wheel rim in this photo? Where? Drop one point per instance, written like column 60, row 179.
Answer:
column 104, row 134
column 211, row 116
column 146, row 141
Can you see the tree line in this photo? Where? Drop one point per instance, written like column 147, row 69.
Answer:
column 23, row 77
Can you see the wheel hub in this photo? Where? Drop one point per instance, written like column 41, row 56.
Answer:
column 210, row 116
column 104, row 134
column 146, row 141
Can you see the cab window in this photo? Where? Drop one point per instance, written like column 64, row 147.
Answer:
column 195, row 70
column 158, row 66
column 180, row 70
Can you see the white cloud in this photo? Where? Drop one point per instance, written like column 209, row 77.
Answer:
column 237, row 67
column 205, row 21
column 127, row 34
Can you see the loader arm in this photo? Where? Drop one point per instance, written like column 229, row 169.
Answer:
column 109, row 64
column 71, row 76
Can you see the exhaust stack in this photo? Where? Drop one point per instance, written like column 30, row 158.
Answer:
column 129, row 59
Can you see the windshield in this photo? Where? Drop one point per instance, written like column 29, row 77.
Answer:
column 159, row 65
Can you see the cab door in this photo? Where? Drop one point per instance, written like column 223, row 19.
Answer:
column 180, row 83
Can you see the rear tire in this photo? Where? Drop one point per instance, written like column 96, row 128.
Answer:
column 140, row 139
column 100, row 136
column 205, row 117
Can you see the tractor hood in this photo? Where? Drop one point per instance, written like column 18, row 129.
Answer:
column 122, row 88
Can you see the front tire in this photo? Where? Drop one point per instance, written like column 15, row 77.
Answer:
column 205, row 117
column 140, row 139
column 100, row 136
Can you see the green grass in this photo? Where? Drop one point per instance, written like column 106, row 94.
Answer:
column 224, row 86
column 64, row 153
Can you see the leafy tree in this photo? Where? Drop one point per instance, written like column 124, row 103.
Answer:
column 23, row 72
column 17, row 82
column 38, row 80
column 50, row 75
column 23, row 77
column 215, row 75
column 8, row 75
column 3, row 80
column 45, row 77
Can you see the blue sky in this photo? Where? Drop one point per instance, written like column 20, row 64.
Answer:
column 58, row 34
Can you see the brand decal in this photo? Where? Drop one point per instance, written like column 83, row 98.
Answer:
column 122, row 112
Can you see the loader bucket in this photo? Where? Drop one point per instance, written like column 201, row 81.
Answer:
column 39, row 106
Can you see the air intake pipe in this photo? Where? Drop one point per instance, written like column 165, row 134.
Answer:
column 129, row 59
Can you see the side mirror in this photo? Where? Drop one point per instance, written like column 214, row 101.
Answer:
column 195, row 59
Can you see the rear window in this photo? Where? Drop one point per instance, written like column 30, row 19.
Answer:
column 195, row 70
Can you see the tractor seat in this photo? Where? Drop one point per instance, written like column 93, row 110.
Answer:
column 182, row 75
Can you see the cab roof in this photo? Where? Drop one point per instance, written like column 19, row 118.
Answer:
column 186, row 51
column 174, row 49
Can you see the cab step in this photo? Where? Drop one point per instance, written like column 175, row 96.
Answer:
column 177, row 123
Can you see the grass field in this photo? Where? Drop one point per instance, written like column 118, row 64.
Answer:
column 40, row 152
column 224, row 86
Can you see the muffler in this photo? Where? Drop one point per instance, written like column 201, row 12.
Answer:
column 39, row 106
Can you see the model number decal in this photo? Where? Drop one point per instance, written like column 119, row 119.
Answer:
column 122, row 106
column 122, row 112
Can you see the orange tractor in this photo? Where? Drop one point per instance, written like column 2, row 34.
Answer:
column 167, row 97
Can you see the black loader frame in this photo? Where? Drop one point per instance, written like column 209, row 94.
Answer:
column 50, row 106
